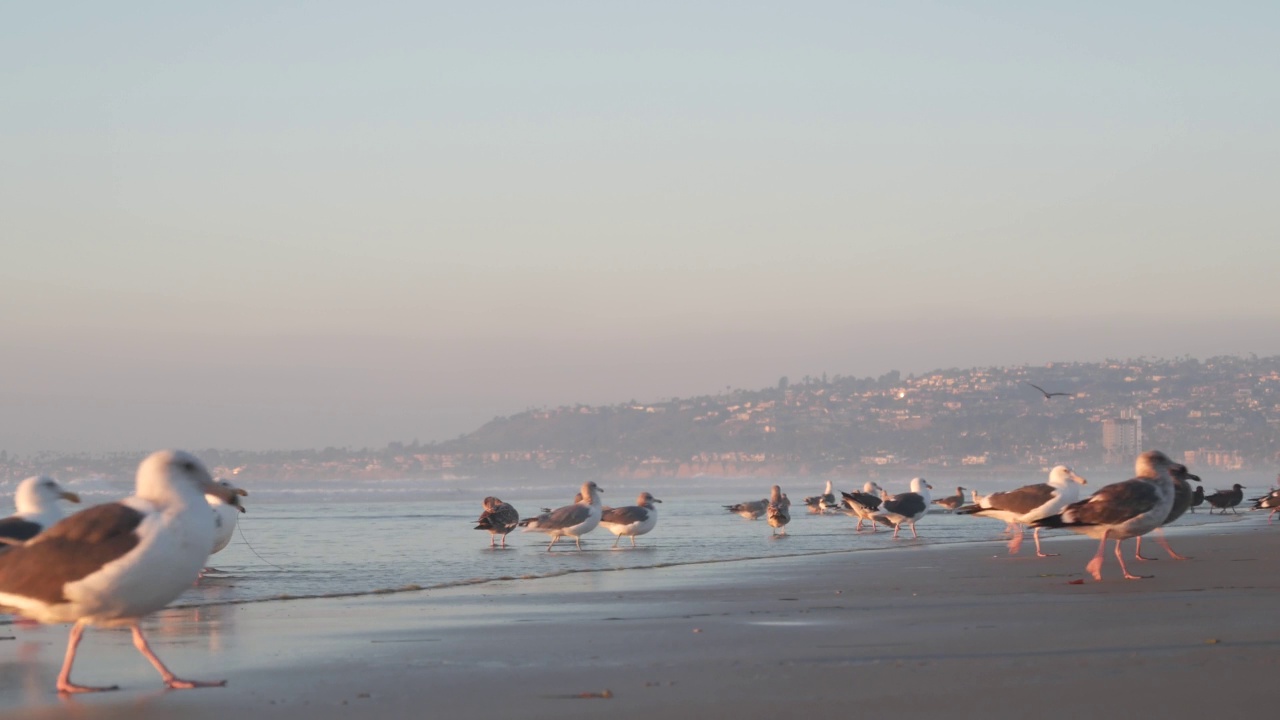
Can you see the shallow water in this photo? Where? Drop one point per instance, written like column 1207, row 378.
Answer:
column 329, row 538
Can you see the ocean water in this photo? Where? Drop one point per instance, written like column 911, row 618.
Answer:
column 318, row 539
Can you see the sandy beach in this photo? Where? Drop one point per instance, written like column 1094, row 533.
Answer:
column 959, row 630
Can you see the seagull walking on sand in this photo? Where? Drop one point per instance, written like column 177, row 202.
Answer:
column 1028, row 504
column 1122, row 510
column 1182, row 496
column 116, row 563
column 36, row 502
column 498, row 518
column 1224, row 499
column 906, row 508
column 573, row 520
column 631, row 520
column 779, row 511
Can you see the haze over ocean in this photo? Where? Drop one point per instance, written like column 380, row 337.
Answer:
column 319, row 225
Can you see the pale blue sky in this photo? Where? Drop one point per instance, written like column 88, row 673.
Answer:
column 306, row 224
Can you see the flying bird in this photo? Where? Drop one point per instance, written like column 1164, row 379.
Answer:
column 1047, row 394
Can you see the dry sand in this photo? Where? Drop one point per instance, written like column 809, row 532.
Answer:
column 955, row 631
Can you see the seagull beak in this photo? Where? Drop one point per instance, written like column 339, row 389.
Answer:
column 242, row 492
column 235, row 501
column 1190, row 476
column 228, row 495
column 68, row 495
column 656, row 500
column 1079, row 479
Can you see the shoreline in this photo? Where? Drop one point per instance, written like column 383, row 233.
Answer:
column 954, row 628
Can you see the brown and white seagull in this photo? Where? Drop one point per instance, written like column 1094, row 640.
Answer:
column 498, row 518
column 1122, row 510
column 114, row 564
column 631, row 520
column 573, row 520
column 1028, row 504
column 750, row 510
column 778, row 514
column 36, row 502
column 951, row 502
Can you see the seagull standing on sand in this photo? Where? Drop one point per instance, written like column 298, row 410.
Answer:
column 225, row 514
column 750, row 510
column 863, row 505
column 573, row 520
column 498, row 518
column 36, row 502
column 1182, row 496
column 114, row 564
column 1197, row 498
column 779, row 511
column 1224, row 499
column 1028, row 504
column 906, row 507
column 1121, row 510
column 631, row 520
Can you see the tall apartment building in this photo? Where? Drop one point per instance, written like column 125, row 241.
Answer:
column 1122, row 437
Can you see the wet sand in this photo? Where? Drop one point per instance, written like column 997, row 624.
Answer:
column 958, row 630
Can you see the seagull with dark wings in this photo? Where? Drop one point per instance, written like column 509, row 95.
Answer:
column 1047, row 394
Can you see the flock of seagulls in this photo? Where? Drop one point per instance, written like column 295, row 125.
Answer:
column 115, row 563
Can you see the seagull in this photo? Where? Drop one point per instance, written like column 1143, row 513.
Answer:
column 1197, row 498
column 863, row 505
column 498, row 518
column 113, row 564
column 779, row 510
column 1121, row 510
column 573, row 520
column 36, row 502
column 1182, row 497
column 1029, row 503
column 751, row 510
column 1270, row 501
column 225, row 514
column 631, row 520
column 906, row 507
column 1224, row 499
column 951, row 502
column 822, row 503
column 1047, row 394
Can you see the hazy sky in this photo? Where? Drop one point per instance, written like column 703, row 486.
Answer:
column 258, row 225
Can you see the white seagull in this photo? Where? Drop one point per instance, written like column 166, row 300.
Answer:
column 573, row 520
column 631, row 520
column 1122, row 510
column 863, row 505
column 1030, row 503
column 226, row 513
column 36, row 502
column 114, row 564
column 905, row 507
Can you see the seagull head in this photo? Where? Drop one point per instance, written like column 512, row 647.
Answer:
column 1062, row 475
column 38, row 494
column 167, row 474
column 1153, row 464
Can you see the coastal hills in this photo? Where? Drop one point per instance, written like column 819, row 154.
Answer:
column 1223, row 412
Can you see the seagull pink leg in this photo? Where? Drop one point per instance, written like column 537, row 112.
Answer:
column 64, row 678
column 913, row 531
column 1015, row 542
column 1137, row 551
column 895, row 531
column 1094, row 567
column 171, row 681
column 1039, row 552
column 1165, row 544
column 1125, row 570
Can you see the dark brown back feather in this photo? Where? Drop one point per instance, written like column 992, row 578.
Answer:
column 70, row 550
